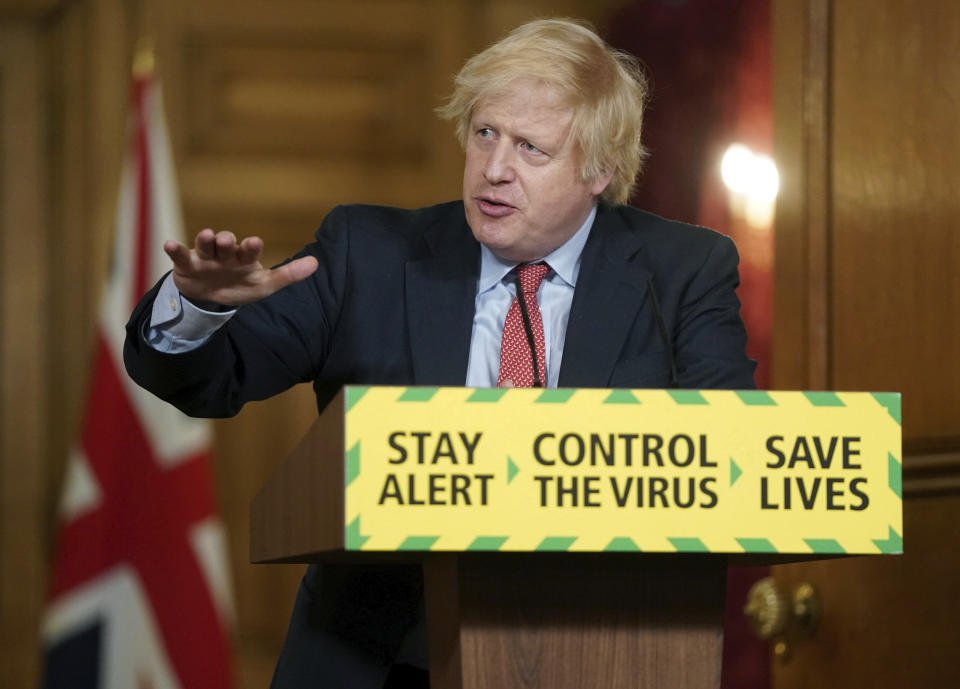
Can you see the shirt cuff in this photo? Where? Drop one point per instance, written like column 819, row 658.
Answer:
column 176, row 325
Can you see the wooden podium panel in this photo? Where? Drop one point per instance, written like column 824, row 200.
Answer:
column 299, row 511
column 557, row 620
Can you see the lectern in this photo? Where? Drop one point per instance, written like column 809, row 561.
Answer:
column 581, row 538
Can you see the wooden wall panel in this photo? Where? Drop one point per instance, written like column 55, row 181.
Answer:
column 801, row 52
column 319, row 94
column 895, row 195
column 867, row 298
column 24, row 271
column 64, row 79
column 247, row 449
column 310, row 105
column 891, row 621
column 88, row 48
column 74, row 258
column 23, row 10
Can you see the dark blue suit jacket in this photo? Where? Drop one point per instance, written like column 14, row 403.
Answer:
column 393, row 303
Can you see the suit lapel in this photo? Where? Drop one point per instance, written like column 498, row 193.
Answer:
column 611, row 290
column 440, row 295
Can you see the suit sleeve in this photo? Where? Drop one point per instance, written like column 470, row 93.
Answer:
column 710, row 338
column 267, row 347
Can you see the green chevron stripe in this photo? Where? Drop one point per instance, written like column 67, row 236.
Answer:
column 756, row 545
column 825, row 545
column 756, row 398
column 488, row 543
column 417, row 395
column 891, row 402
column 354, row 541
column 622, row 544
column 689, row 545
column 418, row 542
column 687, row 397
column 556, row 543
column 512, row 470
column 555, row 395
column 824, row 399
column 353, row 396
column 894, row 475
column 353, row 463
column 486, row 395
column 735, row 471
column 621, row 397
column 892, row 546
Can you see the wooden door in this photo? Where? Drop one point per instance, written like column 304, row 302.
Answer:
column 867, row 297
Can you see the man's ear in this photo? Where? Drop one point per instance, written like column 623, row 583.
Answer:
column 600, row 183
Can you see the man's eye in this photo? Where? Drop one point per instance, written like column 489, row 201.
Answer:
column 529, row 147
column 485, row 132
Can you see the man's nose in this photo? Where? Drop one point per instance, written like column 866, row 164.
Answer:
column 501, row 164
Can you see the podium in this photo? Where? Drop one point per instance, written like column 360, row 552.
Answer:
column 508, row 612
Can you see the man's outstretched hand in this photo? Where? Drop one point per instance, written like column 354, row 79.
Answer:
column 221, row 270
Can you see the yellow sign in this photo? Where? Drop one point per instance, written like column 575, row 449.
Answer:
column 619, row 470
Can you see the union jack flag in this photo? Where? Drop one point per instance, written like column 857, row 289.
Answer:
column 140, row 591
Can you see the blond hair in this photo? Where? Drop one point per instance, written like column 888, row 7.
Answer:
column 605, row 87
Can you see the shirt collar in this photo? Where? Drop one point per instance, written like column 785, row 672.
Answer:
column 564, row 260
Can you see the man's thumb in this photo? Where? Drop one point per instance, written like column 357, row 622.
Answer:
column 295, row 271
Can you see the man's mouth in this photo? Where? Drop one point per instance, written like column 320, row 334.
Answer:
column 494, row 207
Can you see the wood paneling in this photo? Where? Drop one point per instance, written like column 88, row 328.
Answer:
column 932, row 474
column 867, row 298
column 308, row 94
column 27, row 9
column 24, row 246
column 895, row 171
column 800, row 338
column 310, row 105
column 299, row 509
column 548, row 620
column 63, row 80
column 248, row 447
column 888, row 622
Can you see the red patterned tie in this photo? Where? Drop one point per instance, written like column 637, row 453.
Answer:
column 516, row 364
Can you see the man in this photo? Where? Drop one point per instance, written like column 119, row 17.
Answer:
column 550, row 121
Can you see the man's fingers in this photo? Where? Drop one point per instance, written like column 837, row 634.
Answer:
column 249, row 250
column 205, row 244
column 220, row 269
column 225, row 245
column 178, row 253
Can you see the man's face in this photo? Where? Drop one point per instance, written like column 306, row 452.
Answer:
column 521, row 181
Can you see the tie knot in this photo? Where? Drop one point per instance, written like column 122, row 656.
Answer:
column 531, row 275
